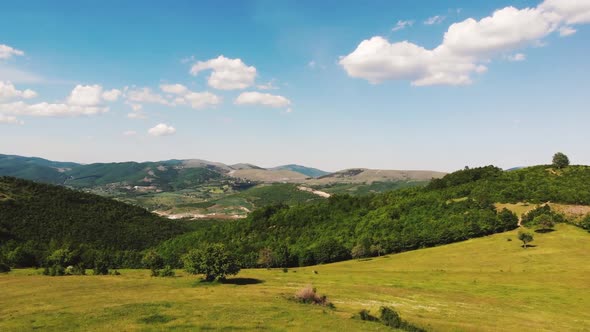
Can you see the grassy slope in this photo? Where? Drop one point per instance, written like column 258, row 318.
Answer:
column 483, row 284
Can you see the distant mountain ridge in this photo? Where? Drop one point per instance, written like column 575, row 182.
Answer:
column 178, row 174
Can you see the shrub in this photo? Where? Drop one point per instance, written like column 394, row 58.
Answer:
column 77, row 269
column 309, row 295
column 213, row 260
column 392, row 319
column 101, row 264
column 167, row 271
column 153, row 261
column 365, row 315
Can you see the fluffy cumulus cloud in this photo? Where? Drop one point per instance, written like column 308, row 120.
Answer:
column 196, row 100
column 7, row 52
column 111, row 95
column 226, row 74
column 83, row 100
column 85, row 95
column 162, row 129
column 146, row 95
column 200, row 100
column 9, row 91
column 264, row 99
column 177, row 89
column 571, row 11
column 467, row 46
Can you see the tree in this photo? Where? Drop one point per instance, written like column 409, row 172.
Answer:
column 560, row 160
column 525, row 237
column 544, row 222
column 265, row 258
column 376, row 250
column 213, row 260
column 358, row 251
column 153, row 261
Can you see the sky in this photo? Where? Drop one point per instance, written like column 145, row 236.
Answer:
column 383, row 84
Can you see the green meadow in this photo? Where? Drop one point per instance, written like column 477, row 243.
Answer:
column 484, row 284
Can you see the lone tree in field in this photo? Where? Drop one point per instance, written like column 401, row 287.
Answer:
column 213, row 260
column 525, row 238
column 560, row 160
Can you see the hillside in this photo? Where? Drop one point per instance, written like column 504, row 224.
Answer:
column 497, row 286
column 40, row 214
column 459, row 206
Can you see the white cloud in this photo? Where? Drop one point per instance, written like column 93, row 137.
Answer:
column 162, row 129
column 570, row 11
column 434, row 20
column 199, row 100
column 566, row 31
column 177, row 89
column 265, row 99
column 8, row 119
column 9, row 91
column 111, row 95
column 7, row 52
column 516, row 57
column 400, row 25
column 467, row 46
column 227, row 74
column 146, row 95
column 85, row 95
column 129, row 133
column 50, row 110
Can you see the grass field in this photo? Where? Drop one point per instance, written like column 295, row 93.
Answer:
column 485, row 284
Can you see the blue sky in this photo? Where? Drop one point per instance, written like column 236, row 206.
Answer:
column 331, row 84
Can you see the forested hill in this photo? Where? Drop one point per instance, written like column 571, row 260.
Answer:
column 40, row 213
column 457, row 207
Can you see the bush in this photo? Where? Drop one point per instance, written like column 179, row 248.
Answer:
column 153, row 261
column 101, row 264
column 365, row 315
column 392, row 319
column 213, row 260
column 167, row 271
column 309, row 295
column 77, row 269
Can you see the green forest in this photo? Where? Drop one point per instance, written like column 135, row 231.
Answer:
column 38, row 219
